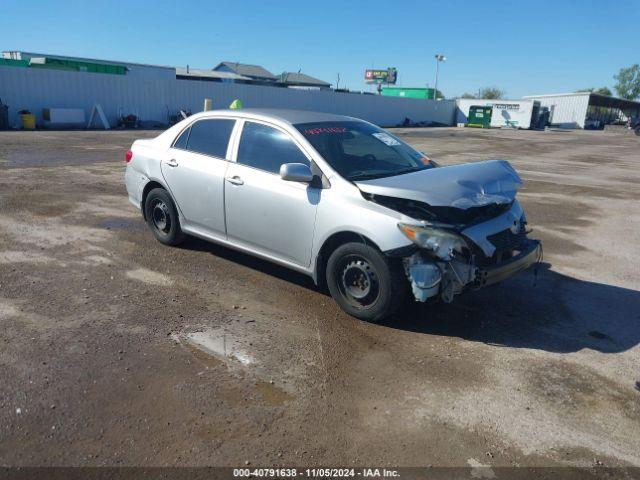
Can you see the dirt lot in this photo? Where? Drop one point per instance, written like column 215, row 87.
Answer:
column 98, row 356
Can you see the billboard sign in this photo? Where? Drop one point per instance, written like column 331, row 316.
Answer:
column 387, row 76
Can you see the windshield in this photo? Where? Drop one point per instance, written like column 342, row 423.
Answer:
column 359, row 151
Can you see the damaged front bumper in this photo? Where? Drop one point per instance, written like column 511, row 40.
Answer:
column 434, row 278
column 532, row 253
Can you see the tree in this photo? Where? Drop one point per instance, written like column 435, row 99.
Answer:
column 468, row 95
column 599, row 91
column 628, row 85
column 439, row 94
column 491, row 93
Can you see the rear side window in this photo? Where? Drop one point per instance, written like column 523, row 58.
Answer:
column 181, row 142
column 210, row 137
column 266, row 148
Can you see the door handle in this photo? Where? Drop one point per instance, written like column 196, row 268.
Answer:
column 173, row 162
column 236, row 180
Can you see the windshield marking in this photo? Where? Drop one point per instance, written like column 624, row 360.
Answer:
column 386, row 139
column 318, row 131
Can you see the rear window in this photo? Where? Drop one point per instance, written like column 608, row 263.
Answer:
column 210, row 137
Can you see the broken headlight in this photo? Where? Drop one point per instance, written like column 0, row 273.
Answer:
column 440, row 242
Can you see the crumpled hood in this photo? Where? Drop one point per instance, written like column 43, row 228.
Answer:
column 460, row 186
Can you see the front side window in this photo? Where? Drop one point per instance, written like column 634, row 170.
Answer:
column 266, row 148
column 360, row 151
column 210, row 137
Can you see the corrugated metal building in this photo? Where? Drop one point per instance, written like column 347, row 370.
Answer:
column 586, row 109
column 567, row 110
column 154, row 93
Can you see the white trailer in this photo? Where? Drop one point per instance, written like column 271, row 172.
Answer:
column 505, row 113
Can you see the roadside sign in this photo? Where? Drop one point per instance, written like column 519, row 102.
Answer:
column 387, row 76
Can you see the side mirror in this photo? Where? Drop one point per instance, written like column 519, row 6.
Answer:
column 296, row 172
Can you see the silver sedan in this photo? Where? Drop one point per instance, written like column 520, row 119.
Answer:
column 337, row 198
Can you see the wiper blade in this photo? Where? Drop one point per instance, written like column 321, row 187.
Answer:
column 385, row 174
column 409, row 170
column 369, row 176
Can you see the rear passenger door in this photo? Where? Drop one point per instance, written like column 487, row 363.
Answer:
column 195, row 174
column 264, row 213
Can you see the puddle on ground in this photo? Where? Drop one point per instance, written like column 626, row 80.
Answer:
column 214, row 347
column 220, row 344
column 205, row 358
column 272, row 395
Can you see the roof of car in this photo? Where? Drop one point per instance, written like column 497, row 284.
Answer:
column 289, row 116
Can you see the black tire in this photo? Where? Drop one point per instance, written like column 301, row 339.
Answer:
column 365, row 283
column 162, row 217
column 638, row 131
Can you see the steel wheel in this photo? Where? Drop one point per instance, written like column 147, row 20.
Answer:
column 161, row 216
column 359, row 283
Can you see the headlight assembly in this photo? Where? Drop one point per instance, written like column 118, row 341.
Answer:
column 440, row 242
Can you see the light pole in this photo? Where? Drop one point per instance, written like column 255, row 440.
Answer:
column 439, row 58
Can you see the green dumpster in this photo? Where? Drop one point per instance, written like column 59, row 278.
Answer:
column 479, row 116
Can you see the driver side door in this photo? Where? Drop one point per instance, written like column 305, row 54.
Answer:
column 265, row 213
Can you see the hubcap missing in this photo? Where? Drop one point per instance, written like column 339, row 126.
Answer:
column 161, row 218
column 358, row 279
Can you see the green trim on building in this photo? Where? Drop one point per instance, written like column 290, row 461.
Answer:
column 14, row 63
column 68, row 65
column 408, row 92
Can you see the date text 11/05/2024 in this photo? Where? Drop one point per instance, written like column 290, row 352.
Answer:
column 314, row 472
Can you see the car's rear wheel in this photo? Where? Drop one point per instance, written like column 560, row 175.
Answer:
column 162, row 217
column 364, row 282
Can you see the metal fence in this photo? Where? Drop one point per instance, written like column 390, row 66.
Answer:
column 154, row 99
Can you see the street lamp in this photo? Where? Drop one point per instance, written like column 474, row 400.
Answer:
column 439, row 58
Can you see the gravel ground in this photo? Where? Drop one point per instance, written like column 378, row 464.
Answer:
column 104, row 330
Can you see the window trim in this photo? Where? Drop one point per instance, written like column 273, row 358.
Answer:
column 236, row 145
column 175, row 140
column 228, row 153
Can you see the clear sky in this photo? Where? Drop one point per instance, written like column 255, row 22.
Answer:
column 525, row 48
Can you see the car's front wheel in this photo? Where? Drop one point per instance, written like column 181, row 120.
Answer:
column 162, row 217
column 364, row 282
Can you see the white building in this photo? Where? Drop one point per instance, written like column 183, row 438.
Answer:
column 505, row 113
column 586, row 109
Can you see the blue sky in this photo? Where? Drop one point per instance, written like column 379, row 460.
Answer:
column 523, row 47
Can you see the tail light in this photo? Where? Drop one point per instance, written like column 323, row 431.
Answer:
column 128, row 156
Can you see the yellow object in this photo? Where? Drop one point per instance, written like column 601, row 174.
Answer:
column 28, row 121
column 236, row 104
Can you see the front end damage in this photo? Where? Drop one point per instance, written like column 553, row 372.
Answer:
column 447, row 260
column 431, row 277
column 467, row 228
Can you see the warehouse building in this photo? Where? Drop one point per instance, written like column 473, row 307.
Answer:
column 78, row 90
column 586, row 109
